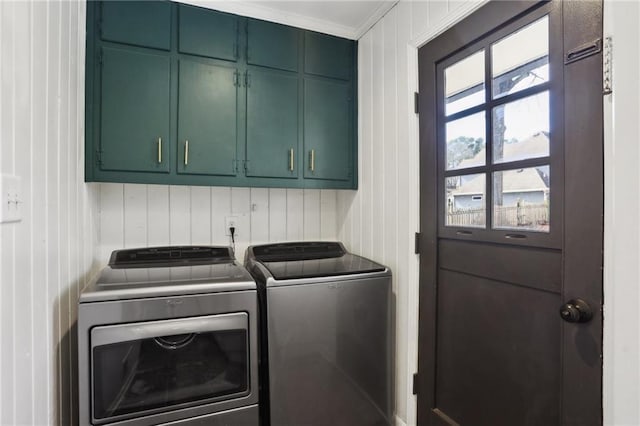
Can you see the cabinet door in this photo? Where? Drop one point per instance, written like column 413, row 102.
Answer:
column 207, row 33
column 327, row 55
column 272, row 124
column 207, row 119
column 272, row 45
column 134, row 118
column 141, row 23
column 327, row 129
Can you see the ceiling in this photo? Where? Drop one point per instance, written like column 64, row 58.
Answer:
column 344, row 18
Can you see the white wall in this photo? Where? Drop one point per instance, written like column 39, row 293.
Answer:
column 379, row 220
column 622, row 213
column 151, row 215
column 47, row 257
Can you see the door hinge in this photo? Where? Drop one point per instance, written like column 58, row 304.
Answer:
column 416, row 108
column 415, row 383
column 417, row 243
column 607, row 67
column 98, row 157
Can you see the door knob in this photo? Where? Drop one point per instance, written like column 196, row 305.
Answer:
column 576, row 310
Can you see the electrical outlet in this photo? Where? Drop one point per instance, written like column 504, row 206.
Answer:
column 230, row 221
column 11, row 199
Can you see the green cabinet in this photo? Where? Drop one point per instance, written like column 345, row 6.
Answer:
column 139, row 23
column 272, row 45
column 327, row 129
column 134, row 115
column 207, row 33
column 272, row 124
column 328, row 56
column 207, row 119
column 177, row 94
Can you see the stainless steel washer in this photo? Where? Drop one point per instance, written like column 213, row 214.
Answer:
column 325, row 335
column 169, row 336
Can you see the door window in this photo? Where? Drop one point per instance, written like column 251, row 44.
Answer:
column 496, row 151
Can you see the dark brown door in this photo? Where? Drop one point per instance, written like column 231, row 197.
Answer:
column 511, row 183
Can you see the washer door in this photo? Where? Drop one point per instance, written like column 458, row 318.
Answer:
column 150, row 367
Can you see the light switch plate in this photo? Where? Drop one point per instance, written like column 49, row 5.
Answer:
column 11, row 199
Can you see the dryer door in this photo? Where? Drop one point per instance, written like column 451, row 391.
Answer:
column 149, row 367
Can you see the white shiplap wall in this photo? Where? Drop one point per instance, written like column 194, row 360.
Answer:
column 47, row 257
column 379, row 220
column 133, row 215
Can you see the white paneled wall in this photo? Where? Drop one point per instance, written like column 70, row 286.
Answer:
column 134, row 215
column 621, row 375
column 47, row 257
column 379, row 220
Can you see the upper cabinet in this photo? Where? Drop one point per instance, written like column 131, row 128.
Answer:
column 328, row 129
column 139, row 23
column 328, row 56
column 207, row 119
column 272, row 45
column 207, row 33
column 177, row 94
column 272, row 124
column 134, row 114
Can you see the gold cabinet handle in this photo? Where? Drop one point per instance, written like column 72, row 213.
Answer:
column 312, row 161
column 159, row 150
column 291, row 159
column 186, row 152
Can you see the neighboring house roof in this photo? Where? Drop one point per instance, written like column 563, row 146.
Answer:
column 536, row 146
column 521, row 180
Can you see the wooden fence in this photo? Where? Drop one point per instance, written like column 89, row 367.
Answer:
column 530, row 216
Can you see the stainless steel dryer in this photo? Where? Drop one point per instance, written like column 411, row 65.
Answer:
column 168, row 336
column 326, row 335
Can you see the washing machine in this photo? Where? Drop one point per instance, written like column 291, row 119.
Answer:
column 326, row 347
column 168, row 336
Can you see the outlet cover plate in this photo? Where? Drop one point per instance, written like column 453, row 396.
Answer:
column 230, row 221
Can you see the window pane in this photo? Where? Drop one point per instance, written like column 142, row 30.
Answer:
column 521, row 129
column 465, row 200
column 521, row 199
column 466, row 142
column 521, row 60
column 464, row 84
